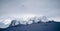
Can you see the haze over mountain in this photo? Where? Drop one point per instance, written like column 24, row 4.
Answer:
column 49, row 8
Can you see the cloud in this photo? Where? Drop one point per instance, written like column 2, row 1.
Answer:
column 45, row 7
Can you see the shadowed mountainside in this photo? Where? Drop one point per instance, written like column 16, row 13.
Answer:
column 48, row 26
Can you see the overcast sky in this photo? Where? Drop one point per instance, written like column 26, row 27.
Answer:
column 49, row 8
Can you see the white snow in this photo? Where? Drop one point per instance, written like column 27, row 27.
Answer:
column 25, row 19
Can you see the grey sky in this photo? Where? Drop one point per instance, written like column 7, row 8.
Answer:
column 50, row 8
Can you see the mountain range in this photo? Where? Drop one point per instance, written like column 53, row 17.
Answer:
column 33, row 24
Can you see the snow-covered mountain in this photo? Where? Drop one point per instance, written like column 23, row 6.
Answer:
column 25, row 21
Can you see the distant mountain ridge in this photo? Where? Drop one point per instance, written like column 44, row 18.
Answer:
column 27, row 21
column 40, row 26
column 33, row 24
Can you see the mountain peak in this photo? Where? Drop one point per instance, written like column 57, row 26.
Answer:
column 28, row 20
